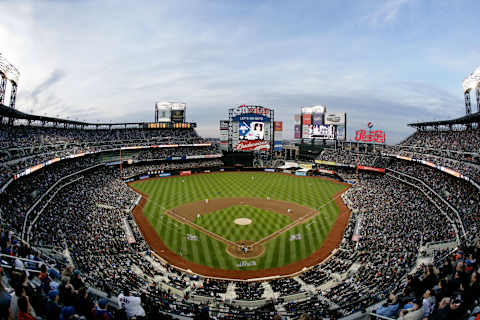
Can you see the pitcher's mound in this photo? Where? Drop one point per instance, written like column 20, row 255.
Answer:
column 242, row 221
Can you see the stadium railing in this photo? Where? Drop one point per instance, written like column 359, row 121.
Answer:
column 457, row 215
column 46, row 193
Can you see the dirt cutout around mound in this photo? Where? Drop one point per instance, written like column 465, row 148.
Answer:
column 297, row 212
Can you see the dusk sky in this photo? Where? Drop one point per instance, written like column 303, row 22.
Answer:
column 390, row 62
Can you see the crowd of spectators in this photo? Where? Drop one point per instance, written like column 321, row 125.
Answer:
column 462, row 140
column 458, row 150
column 353, row 158
column 249, row 290
column 168, row 166
column 22, row 193
column 22, row 147
column 467, row 168
column 212, row 288
column 396, row 219
column 286, row 286
column 462, row 195
column 163, row 153
column 322, row 309
column 30, row 289
column 449, row 290
column 89, row 219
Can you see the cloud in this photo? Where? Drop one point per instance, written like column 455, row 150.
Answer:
column 52, row 79
column 387, row 12
column 111, row 63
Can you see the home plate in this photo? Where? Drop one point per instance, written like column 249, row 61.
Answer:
column 242, row 221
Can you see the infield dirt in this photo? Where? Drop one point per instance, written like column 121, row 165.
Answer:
column 329, row 244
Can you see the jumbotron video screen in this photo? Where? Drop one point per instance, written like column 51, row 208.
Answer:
column 251, row 128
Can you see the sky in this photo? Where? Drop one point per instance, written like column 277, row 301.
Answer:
column 389, row 62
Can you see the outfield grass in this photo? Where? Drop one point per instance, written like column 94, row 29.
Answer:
column 263, row 223
column 167, row 193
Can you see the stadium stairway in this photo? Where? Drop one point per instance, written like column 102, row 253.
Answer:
column 230, row 294
column 304, row 286
column 268, row 292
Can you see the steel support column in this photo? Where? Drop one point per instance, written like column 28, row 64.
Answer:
column 468, row 104
column 478, row 98
column 3, row 87
column 13, row 94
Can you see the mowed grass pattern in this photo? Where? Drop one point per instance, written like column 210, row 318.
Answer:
column 167, row 193
column 263, row 223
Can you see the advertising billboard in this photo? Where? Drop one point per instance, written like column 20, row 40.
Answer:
column 382, row 170
column 278, row 126
column 377, row 136
column 244, row 109
column 278, row 146
column 319, row 109
column 224, row 124
column 307, row 119
column 318, row 113
column 297, row 119
column 251, row 128
column 306, row 131
column 317, row 119
column 341, row 133
column 325, row 171
column 178, row 116
column 337, row 118
column 297, row 131
column 326, row 132
column 246, row 145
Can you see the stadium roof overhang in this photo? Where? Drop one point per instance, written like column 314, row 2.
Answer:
column 15, row 114
column 468, row 119
column 8, row 112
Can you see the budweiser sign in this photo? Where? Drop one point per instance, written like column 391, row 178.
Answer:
column 252, row 145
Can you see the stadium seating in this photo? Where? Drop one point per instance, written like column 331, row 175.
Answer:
column 84, row 216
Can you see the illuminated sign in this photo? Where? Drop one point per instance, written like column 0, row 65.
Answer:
column 165, row 125
column 251, row 109
column 246, row 145
column 325, row 171
column 370, row 136
column 382, row 170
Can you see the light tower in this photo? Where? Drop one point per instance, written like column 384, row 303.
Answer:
column 472, row 84
column 8, row 73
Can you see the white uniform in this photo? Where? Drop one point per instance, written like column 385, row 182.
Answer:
column 131, row 305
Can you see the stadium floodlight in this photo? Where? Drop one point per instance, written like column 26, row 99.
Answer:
column 472, row 81
column 9, row 70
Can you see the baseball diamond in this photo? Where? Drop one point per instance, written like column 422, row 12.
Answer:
column 283, row 173
column 278, row 206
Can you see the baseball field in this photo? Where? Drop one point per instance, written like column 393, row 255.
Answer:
column 239, row 221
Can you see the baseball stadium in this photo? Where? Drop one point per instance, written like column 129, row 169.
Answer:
column 281, row 213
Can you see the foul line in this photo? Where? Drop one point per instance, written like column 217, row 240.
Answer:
column 268, row 238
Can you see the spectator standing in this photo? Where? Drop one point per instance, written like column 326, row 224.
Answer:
column 131, row 304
